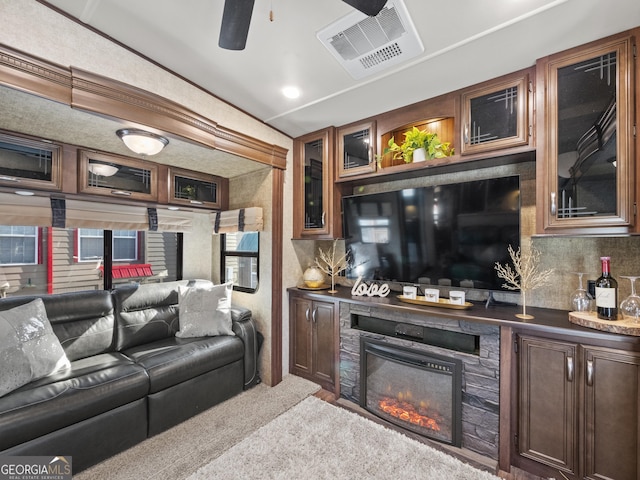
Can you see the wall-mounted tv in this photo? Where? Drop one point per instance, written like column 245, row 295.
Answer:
column 440, row 235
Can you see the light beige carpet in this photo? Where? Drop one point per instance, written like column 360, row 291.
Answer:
column 317, row 440
column 180, row 451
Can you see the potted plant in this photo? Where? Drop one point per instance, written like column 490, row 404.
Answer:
column 416, row 140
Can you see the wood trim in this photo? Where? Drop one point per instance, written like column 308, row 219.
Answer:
column 277, row 223
column 34, row 75
column 506, row 385
column 94, row 93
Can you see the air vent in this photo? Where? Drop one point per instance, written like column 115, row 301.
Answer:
column 366, row 45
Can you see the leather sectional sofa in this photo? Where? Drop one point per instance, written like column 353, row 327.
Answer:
column 130, row 376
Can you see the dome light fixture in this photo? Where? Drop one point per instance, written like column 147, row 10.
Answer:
column 103, row 169
column 141, row 141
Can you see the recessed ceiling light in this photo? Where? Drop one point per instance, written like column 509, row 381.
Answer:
column 291, row 92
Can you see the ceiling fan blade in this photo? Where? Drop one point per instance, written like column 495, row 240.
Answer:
column 368, row 7
column 236, row 18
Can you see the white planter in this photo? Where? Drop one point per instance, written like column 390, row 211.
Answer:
column 419, row 155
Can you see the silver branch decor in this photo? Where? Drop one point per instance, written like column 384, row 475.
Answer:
column 332, row 264
column 525, row 275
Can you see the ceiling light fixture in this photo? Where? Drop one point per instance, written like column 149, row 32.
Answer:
column 291, row 92
column 141, row 141
column 103, row 169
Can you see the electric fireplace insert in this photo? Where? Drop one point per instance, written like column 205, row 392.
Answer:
column 415, row 390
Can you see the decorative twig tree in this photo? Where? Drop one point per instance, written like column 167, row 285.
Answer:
column 332, row 264
column 525, row 275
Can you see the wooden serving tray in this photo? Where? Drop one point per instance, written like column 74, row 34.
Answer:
column 591, row 320
column 441, row 303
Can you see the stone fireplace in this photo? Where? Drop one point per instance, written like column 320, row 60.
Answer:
column 456, row 358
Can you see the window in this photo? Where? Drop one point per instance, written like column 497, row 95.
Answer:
column 239, row 261
column 18, row 245
column 90, row 245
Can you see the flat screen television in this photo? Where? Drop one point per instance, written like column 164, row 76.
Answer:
column 449, row 234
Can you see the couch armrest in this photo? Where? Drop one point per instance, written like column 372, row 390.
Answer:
column 245, row 328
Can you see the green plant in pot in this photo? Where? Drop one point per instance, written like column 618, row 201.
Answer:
column 415, row 139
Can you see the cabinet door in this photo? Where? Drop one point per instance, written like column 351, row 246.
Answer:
column 196, row 189
column 495, row 116
column 300, row 332
column 547, row 403
column 585, row 162
column 26, row 163
column 612, row 414
column 324, row 339
column 105, row 174
column 313, row 185
column 355, row 150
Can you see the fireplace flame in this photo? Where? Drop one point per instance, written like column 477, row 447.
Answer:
column 406, row 412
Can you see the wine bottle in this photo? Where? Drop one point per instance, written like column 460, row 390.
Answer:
column 606, row 292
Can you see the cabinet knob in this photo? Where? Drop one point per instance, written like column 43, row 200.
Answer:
column 313, row 315
column 121, row 193
column 8, row 179
column 323, row 215
column 466, row 133
column 553, row 206
column 306, row 314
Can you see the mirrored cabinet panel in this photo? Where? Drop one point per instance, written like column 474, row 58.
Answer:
column 495, row 116
column 588, row 149
column 26, row 163
column 356, row 150
column 196, row 189
column 104, row 174
column 313, row 173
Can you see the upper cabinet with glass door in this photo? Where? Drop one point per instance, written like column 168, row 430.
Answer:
column 495, row 115
column 584, row 160
column 355, row 150
column 26, row 163
column 105, row 174
column 313, row 210
column 197, row 189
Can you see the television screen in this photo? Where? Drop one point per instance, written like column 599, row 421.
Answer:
column 440, row 235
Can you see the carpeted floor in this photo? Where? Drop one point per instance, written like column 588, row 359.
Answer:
column 315, row 439
column 180, row 451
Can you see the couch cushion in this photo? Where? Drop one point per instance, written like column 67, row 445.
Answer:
column 147, row 313
column 28, row 347
column 83, row 321
column 173, row 360
column 90, row 387
column 205, row 311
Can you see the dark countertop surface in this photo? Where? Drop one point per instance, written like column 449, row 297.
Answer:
column 545, row 320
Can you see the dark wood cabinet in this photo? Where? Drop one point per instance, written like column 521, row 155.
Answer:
column 28, row 163
column 116, row 176
column 356, row 152
column 313, row 335
column 495, row 115
column 197, row 189
column 316, row 212
column 585, row 160
column 578, row 410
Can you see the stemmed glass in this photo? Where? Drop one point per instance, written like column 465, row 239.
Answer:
column 581, row 301
column 630, row 306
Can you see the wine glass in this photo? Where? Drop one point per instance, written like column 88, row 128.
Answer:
column 630, row 306
column 581, row 301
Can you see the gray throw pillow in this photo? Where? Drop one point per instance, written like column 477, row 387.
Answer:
column 205, row 311
column 28, row 347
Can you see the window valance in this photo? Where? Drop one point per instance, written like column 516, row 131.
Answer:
column 25, row 210
column 240, row 220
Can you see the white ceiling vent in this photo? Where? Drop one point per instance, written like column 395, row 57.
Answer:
column 366, row 45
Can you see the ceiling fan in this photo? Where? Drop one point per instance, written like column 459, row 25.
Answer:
column 236, row 18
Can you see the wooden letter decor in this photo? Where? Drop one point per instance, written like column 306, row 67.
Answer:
column 360, row 289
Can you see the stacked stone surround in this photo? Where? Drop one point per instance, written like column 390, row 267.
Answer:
column 480, row 373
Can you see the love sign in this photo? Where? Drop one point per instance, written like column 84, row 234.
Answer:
column 360, row 289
